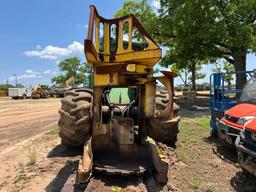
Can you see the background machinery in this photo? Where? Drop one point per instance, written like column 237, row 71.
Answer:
column 119, row 136
column 40, row 91
column 69, row 84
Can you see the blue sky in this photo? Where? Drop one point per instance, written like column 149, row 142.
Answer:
column 36, row 34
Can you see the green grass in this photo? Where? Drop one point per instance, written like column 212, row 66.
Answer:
column 192, row 131
column 195, row 182
column 191, row 148
column 210, row 187
column 32, row 157
column 53, row 132
column 21, row 167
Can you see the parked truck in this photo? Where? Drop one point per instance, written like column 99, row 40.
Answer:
column 17, row 93
column 236, row 118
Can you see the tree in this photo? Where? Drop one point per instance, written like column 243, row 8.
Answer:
column 19, row 85
column 227, row 68
column 71, row 67
column 209, row 29
column 202, row 30
column 141, row 9
column 189, row 75
column 189, row 67
column 150, row 21
column 217, row 29
column 4, row 87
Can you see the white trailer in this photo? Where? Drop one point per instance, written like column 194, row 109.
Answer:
column 17, row 93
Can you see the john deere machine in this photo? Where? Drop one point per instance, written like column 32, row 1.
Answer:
column 119, row 137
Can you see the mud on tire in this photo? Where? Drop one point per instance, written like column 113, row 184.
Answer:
column 75, row 115
column 162, row 99
column 161, row 129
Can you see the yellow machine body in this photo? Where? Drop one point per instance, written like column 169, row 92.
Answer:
column 122, row 54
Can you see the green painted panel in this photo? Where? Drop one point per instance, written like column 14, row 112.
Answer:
column 119, row 94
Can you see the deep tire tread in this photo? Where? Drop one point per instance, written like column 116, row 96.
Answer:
column 74, row 119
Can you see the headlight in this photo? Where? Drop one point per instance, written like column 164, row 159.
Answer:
column 243, row 120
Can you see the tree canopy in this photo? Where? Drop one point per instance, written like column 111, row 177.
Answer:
column 227, row 68
column 186, row 74
column 5, row 87
column 201, row 30
column 209, row 30
column 71, row 67
column 141, row 9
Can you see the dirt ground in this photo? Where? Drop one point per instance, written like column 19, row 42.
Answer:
column 36, row 161
column 21, row 119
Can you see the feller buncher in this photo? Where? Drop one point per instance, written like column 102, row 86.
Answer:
column 120, row 138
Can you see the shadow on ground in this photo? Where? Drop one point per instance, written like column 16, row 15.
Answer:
column 194, row 113
column 64, row 151
column 64, row 179
column 226, row 154
column 243, row 183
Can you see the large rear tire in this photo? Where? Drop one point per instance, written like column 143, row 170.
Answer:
column 164, row 130
column 75, row 117
column 162, row 99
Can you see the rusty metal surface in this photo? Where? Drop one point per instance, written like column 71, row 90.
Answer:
column 85, row 164
column 123, row 130
column 123, row 168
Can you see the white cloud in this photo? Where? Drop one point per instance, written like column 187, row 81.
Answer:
column 47, row 71
column 29, row 74
column 54, row 52
column 50, row 72
column 76, row 47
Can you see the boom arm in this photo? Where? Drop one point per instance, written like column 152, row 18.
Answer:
column 70, row 82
